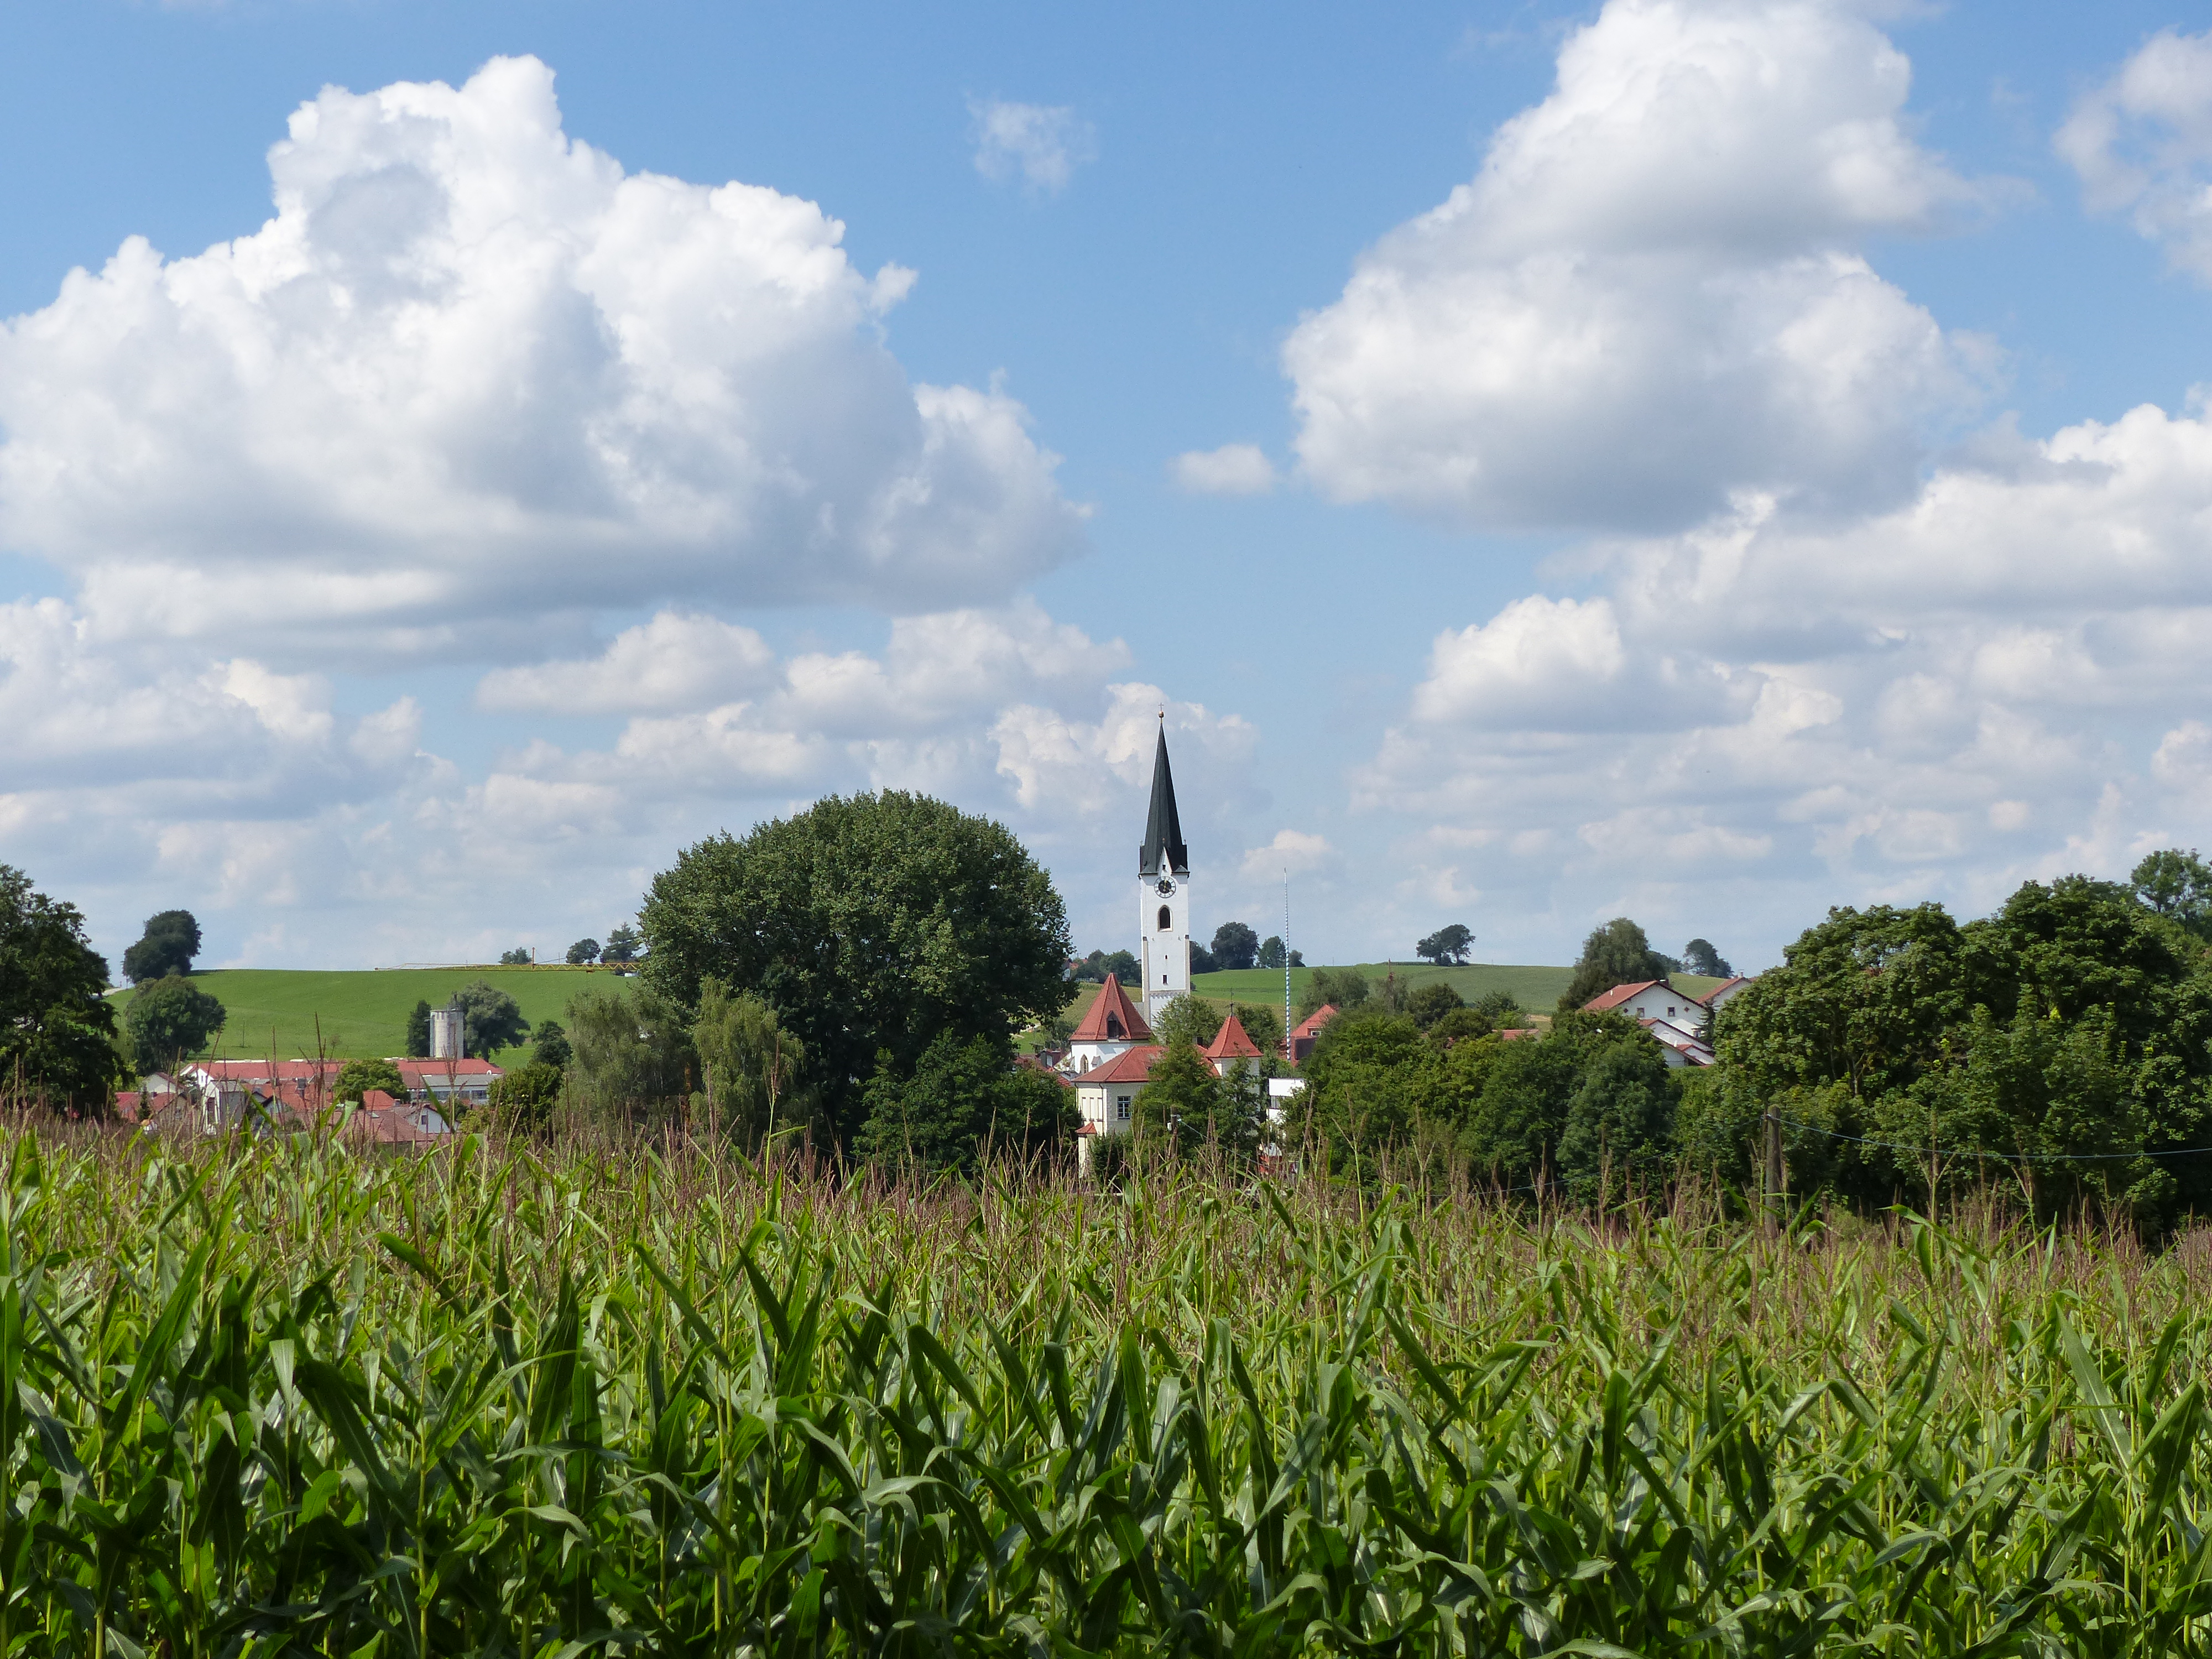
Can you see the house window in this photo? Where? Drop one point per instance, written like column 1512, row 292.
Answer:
column 1164, row 923
column 1121, row 1107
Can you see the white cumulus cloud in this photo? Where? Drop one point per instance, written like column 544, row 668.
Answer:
column 1651, row 297
column 2141, row 143
column 471, row 372
column 1042, row 144
column 2002, row 678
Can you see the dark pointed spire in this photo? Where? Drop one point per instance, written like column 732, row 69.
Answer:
column 1162, row 829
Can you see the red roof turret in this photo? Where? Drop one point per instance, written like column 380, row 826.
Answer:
column 1112, row 1018
column 1230, row 1042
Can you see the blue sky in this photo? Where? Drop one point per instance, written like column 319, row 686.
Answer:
column 1722, row 509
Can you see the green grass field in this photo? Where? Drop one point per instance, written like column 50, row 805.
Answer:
column 1535, row 988
column 274, row 1012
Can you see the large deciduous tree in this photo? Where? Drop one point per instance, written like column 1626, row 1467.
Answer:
column 57, row 1037
column 490, row 1020
column 168, row 945
column 2177, row 885
column 1699, row 956
column 1235, row 945
column 170, row 1020
column 1446, row 945
column 873, row 926
column 1187, row 1111
column 1618, row 953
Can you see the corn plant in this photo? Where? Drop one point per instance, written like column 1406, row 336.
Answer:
column 284, row 1398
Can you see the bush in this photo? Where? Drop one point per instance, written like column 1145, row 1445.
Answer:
column 551, row 1047
column 1456, row 1023
column 1343, row 987
column 1187, row 1018
column 356, row 1076
column 751, row 1071
column 524, row 1098
column 963, row 1102
column 1427, row 1003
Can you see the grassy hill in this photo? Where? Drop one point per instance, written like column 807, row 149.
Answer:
column 273, row 1012
column 1535, row 988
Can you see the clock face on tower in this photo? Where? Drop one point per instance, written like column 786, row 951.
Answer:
column 1166, row 886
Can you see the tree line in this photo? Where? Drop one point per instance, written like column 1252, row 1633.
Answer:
column 2059, row 1049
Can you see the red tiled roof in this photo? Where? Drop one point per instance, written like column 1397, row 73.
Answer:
column 1725, row 985
column 1230, row 1042
column 393, row 1123
column 1131, row 1066
column 1112, row 1004
column 1619, row 994
column 1315, row 1020
column 1518, row 1031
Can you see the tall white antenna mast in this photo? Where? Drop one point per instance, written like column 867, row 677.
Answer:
column 1290, row 1049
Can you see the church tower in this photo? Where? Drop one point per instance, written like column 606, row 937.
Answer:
column 1163, row 892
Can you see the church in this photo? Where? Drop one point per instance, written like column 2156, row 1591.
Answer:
column 1111, row 1052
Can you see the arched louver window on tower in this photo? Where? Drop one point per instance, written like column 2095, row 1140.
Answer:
column 1164, row 918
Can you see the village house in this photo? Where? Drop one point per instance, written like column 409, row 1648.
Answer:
column 226, row 1094
column 1682, row 1021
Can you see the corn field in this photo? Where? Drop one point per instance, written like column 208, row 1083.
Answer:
column 279, row 1398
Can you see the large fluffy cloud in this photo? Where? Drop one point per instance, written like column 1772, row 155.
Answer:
column 2003, row 676
column 473, row 371
column 1652, row 294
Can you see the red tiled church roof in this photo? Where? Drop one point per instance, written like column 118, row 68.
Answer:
column 1112, row 1018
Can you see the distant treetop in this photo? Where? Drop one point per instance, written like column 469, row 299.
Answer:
column 171, row 940
column 1446, row 945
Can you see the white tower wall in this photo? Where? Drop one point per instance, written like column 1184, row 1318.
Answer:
column 445, row 1033
column 1163, row 929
